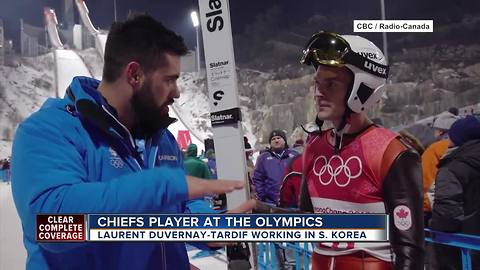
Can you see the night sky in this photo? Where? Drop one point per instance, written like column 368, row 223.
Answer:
column 175, row 14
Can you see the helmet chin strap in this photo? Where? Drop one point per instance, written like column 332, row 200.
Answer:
column 340, row 130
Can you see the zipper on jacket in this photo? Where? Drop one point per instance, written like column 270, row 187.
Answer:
column 132, row 142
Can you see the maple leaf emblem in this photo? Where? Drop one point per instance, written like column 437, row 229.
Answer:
column 402, row 213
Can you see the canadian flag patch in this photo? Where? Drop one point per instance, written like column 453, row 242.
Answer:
column 402, row 217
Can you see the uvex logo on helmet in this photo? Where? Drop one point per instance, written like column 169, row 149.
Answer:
column 374, row 68
column 370, row 54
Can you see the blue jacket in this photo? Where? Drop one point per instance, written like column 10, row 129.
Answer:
column 73, row 156
column 268, row 174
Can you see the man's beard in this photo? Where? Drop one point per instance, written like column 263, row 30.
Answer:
column 149, row 117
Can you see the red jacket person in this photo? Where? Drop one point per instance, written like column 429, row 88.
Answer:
column 358, row 167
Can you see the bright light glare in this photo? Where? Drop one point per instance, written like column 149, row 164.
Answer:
column 194, row 17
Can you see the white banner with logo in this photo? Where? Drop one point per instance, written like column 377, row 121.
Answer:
column 223, row 95
column 402, row 26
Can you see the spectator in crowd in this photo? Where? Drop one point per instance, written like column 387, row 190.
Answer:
column 453, row 110
column 289, row 195
column 248, row 152
column 5, row 164
column 220, row 200
column 193, row 165
column 431, row 157
column 270, row 167
column 79, row 154
column 5, row 170
column 290, row 189
column 268, row 175
column 358, row 167
column 250, row 166
column 211, row 163
column 456, row 205
column 298, row 146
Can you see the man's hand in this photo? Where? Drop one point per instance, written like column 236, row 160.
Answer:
column 198, row 187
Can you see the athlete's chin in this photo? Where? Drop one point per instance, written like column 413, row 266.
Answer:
column 324, row 114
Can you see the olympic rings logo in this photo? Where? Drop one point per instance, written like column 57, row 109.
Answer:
column 117, row 163
column 115, row 159
column 335, row 169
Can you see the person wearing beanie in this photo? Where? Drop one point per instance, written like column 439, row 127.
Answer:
column 464, row 130
column 193, row 165
column 196, row 167
column 268, row 173
column 277, row 135
column 430, row 158
column 442, row 124
column 456, row 206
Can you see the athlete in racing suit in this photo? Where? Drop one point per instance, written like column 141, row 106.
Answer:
column 358, row 167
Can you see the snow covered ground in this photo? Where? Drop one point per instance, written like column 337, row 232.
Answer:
column 12, row 252
column 193, row 108
column 5, row 149
column 24, row 89
column 69, row 65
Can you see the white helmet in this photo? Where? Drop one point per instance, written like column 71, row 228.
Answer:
column 361, row 56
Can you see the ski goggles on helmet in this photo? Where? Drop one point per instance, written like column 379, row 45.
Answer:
column 326, row 48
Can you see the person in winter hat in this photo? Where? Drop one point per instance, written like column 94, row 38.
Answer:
column 456, row 207
column 464, row 130
column 442, row 124
column 193, row 165
column 268, row 173
column 431, row 157
column 276, row 135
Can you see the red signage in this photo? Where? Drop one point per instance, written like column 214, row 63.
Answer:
column 183, row 139
column 60, row 228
